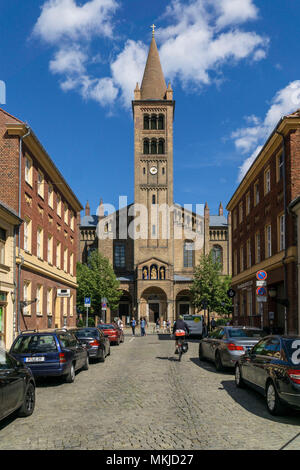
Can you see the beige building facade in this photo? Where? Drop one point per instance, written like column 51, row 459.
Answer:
column 9, row 222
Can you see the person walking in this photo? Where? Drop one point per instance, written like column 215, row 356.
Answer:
column 143, row 327
column 157, row 323
column 133, row 325
column 213, row 323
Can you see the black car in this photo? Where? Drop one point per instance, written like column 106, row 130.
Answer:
column 17, row 387
column 50, row 353
column 93, row 339
column 272, row 367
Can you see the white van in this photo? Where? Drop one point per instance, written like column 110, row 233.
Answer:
column 195, row 324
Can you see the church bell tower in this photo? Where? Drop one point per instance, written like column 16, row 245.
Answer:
column 153, row 114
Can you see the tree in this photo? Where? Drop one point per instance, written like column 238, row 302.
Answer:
column 97, row 280
column 210, row 287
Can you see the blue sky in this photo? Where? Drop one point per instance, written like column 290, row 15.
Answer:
column 70, row 68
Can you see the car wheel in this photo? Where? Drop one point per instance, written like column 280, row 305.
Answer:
column 29, row 401
column 70, row 377
column 102, row 356
column 272, row 400
column 201, row 357
column 218, row 362
column 239, row 382
column 86, row 364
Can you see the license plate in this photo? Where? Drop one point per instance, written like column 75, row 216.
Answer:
column 35, row 359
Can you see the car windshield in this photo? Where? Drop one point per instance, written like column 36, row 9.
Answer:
column 86, row 333
column 195, row 318
column 292, row 347
column 107, row 327
column 245, row 333
column 35, row 344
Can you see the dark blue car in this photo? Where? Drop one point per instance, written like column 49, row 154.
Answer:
column 50, row 353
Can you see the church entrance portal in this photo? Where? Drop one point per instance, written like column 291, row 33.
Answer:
column 153, row 311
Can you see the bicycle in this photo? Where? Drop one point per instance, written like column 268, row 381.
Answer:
column 181, row 343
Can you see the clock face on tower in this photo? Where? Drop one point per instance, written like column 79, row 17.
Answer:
column 153, row 170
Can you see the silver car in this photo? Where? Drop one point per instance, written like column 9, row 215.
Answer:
column 225, row 345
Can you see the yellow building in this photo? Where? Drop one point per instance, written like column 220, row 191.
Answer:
column 9, row 221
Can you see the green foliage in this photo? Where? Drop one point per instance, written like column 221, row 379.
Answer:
column 96, row 280
column 210, row 286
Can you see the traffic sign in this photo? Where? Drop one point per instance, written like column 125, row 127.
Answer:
column 231, row 293
column 261, row 275
column 261, row 291
column 87, row 301
column 261, row 283
column 261, row 298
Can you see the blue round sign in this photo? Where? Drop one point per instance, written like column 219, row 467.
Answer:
column 261, row 275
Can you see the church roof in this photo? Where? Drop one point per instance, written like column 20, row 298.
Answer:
column 153, row 84
column 89, row 221
column 217, row 221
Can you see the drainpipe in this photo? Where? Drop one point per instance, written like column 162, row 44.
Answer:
column 19, row 241
column 285, row 230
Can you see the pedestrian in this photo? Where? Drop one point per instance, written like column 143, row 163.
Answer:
column 213, row 323
column 157, row 325
column 164, row 326
column 169, row 327
column 133, row 325
column 143, row 327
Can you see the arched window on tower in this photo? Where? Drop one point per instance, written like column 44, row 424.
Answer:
column 153, row 121
column 217, row 254
column 188, row 254
column 161, row 121
column 161, row 146
column 146, row 147
column 153, row 146
column 153, row 199
column 146, row 121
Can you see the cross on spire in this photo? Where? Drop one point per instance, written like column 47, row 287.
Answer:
column 153, row 29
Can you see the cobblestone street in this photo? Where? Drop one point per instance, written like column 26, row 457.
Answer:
column 142, row 398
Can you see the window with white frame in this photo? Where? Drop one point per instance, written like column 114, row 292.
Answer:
column 39, row 300
column 50, row 249
column 26, row 297
column 49, row 301
column 241, row 258
column 28, row 170
column 65, row 259
column 40, row 182
column 249, row 257
column 2, row 245
column 257, row 243
column 66, row 214
column 256, row 193
column 58, row 255
column 39, row 246
column 50, row 195
column 281, row 232
column 268, row 241
column 58, row 205
column 72, row 264
column 27, row 234
column 267, row 181
column 72, row 221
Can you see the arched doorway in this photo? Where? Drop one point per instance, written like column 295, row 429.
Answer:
column 125, row 307
column 153, row 304
column 184, row 303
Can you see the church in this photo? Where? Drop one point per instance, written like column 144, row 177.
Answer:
column 154, row 243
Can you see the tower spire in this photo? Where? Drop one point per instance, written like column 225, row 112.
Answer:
column 153, row 84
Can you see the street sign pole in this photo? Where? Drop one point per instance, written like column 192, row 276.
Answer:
column 87, row 317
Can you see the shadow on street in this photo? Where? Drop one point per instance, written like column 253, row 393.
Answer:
column 209, row 366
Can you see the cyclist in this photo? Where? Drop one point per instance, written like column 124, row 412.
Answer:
column 179, row 325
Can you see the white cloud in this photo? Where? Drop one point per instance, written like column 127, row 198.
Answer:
column 201, row 37
column 64, row 19
column 246, row 139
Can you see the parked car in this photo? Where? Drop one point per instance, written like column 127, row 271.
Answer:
column 17, row 387
column 94, row 340
column 50, row 353
column 113, row 332
column 226, row 344
column 272, row 367
column 195, row 324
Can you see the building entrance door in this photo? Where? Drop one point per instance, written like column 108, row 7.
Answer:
column 153, row 311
